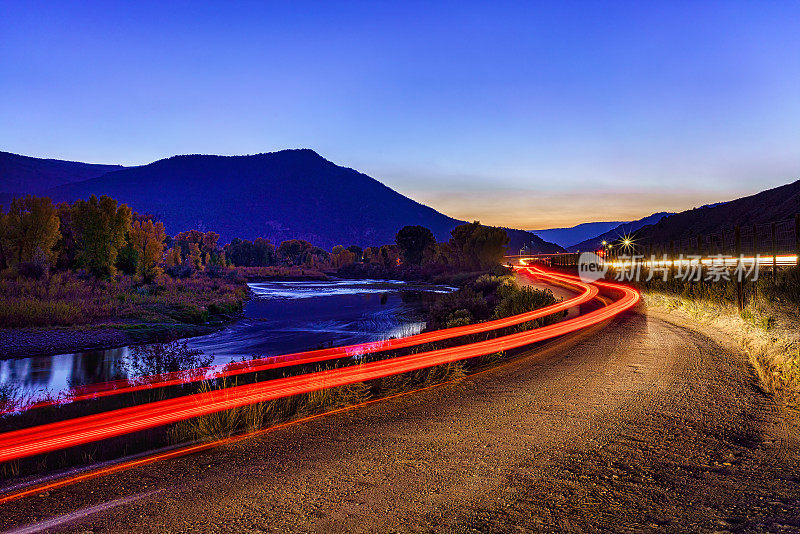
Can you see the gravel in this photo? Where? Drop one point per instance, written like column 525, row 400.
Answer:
column 641, row 425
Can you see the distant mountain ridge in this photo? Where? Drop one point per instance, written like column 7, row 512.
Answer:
column 773, row 205
column 290, row 194
column 575, row 234
column 622, row 230
column 21, row 175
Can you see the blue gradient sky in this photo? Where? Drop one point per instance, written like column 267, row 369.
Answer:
column 516, row 114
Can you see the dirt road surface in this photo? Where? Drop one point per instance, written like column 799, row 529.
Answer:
column 640, row 424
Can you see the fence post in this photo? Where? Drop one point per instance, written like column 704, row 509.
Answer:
column 755, row 258
column 774, row 255
column 738, row 245
column 700, row 249
column 672, row 260
column 797, row 237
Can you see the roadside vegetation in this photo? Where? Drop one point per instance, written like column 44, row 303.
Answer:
column 767, row 328
column 177, row 356
column 96, row 261
column 490, row 296
column 482, row 297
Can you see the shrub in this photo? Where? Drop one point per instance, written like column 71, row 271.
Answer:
column 516, row 300
column 158, row 358
column 466, row 300
column 459, row 318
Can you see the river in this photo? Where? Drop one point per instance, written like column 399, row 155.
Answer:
column 281, row 317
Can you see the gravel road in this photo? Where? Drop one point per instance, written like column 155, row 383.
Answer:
column 641, row 424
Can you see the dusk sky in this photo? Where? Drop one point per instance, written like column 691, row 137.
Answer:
column 514, row 114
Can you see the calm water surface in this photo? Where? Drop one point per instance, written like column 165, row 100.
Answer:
column 280, row 318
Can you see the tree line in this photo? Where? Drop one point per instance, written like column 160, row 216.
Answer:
column 105, row 237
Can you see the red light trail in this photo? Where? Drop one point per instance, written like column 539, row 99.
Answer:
column 191, row 449
column 63, row 434
column 118, row 387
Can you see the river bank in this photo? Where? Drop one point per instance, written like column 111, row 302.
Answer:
column 42, row 341
column 118, row 313
column 279, row 317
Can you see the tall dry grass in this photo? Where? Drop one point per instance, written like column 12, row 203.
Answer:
column 66, row 298
column 222, row 424
column 769, row 333
column 252, row 417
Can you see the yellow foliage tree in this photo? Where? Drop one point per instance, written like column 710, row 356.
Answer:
column 341, row 257
column 173, row 258
column 31, row 223
column 195, row 256
column 148, row 241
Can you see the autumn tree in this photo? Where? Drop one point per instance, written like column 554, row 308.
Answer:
column 127, row 260
column 31, row 223
column 195, row 255
column 100, row 226
column 315, row 257
column 65, row 249
column 341, row 257
column 147, row 239
column 294, row 251
column 173, row 257
column 475, row 246
column 389, row 255
column 386, row 255
column 357, row 251
column 370, row 254
column 258, row 253
column 206, row 243
column 264, row 252
column 414, row 242
column 209, row 246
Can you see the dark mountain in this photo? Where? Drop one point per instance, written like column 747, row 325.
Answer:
column 25, row 175
column 772, row 205
column 575, row 234
column 291, row 194
column 623, row 229
column 517, row 239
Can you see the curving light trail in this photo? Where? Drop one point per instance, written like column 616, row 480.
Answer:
column 118, row 387
column 60, row 435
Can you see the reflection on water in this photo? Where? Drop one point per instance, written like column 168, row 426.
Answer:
column 161, row 358
column 282, row 317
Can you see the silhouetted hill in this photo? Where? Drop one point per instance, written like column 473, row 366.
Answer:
column 575, row 234
column 519, row 238
column 772, row 205
column 623, row 229
column 291, row 194
column 25, row 175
